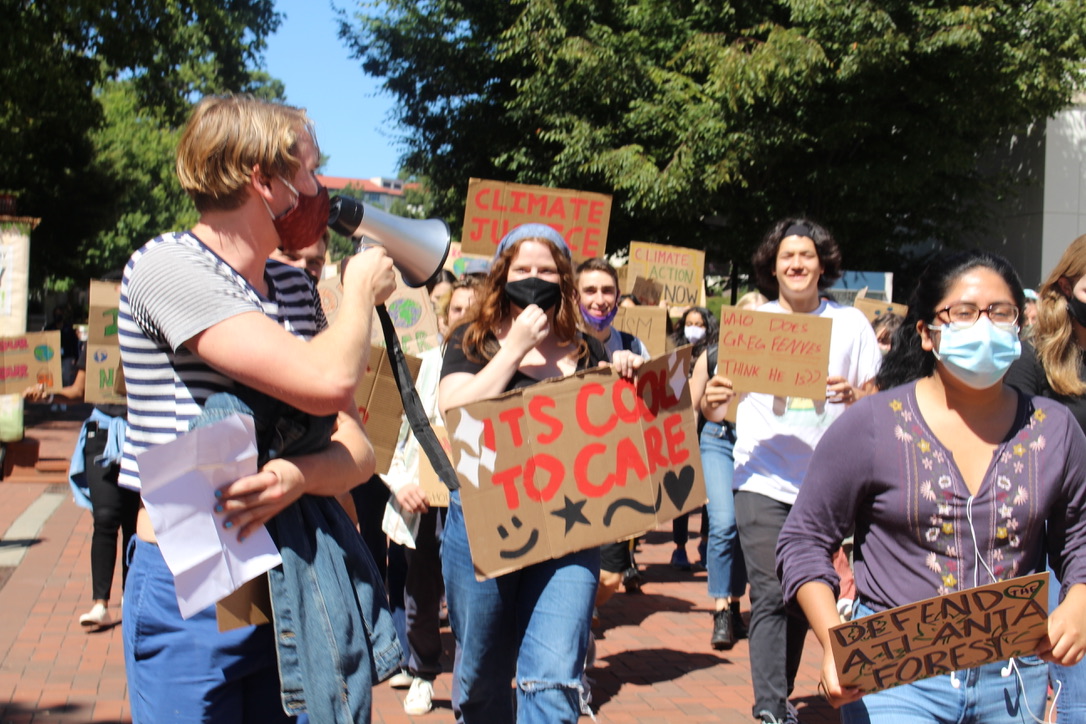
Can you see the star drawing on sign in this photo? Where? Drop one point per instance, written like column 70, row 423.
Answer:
column 572, row 513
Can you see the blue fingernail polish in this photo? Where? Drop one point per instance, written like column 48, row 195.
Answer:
column 218, row 493
column 241, row 539
column 228, row 524
column 218, row 508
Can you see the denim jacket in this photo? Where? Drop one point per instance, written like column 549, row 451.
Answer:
column 334, row 634
column 77, row 477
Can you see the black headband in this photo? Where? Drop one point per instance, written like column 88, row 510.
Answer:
column 798, row 230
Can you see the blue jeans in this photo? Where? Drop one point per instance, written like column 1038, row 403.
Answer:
column 185, row 670
column 533, row 623
column 1069, row 680
column 983, row 696
column 724, row 557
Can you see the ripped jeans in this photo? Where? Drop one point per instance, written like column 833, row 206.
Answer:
column 533, row 623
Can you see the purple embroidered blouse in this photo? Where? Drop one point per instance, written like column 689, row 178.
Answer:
column 919, row 533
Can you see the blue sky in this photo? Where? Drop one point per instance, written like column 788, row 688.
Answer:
column 350, row 112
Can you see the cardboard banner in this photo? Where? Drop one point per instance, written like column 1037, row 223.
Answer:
column 495, row 207
column 787, row 355
column 647, row 291
column 957, row 631
column 679, row 271
column 437, row 493
column 411, row 312
column 103, row 375
column 30, row 359
column 379, row 404
column 649, row 324
column 571, row 463
column 875, row 308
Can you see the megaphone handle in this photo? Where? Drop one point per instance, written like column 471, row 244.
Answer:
column 412, row 405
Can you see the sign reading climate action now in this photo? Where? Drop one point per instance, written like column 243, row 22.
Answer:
column 957, row 631
column 568, row 464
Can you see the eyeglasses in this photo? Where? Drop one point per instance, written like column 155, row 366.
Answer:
column 963, row 316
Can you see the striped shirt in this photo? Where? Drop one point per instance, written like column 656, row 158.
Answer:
column 174, row 287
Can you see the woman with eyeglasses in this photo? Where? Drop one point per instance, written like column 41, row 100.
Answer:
column 1054, row 366
column 952, row 480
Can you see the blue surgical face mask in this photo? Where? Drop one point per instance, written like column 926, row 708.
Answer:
column 980, row 355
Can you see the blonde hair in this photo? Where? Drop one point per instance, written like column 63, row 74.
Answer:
column 226, row 137
column 751, row 300
column 1054, row 336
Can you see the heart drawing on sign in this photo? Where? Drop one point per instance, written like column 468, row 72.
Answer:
column 1027, row 591
column 678, row 487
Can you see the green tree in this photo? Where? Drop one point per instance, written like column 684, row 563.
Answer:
column 871, row 116
column 58, row 62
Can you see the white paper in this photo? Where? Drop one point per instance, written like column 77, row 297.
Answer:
column 179, row 482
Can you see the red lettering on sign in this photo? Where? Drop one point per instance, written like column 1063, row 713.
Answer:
column 675, row 437
column 549, row 464
column 627, row 458
column 536, row 409
column 583, row 422
column 512, row 418
column 508, row 480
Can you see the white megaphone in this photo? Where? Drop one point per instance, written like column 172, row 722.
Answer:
column 418, row 247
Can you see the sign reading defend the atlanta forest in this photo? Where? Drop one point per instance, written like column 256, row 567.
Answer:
column 957, row 631
column 571, row 463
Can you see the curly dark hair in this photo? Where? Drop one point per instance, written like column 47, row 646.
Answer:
column 764, row 260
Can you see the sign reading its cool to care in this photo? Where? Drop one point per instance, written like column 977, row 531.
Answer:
column 571, row 463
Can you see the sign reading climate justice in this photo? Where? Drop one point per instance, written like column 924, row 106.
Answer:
column 957, row 631
column 787, row 355
column 495, row 207
column 571, row 463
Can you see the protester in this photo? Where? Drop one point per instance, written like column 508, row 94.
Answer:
column 1054, row 366
column 203, row 311
column 925, row 469
column 411, row 522
column 92, row 475
column 697, row 326
column 886, row 326
column 775, row 437
column 533, row 622
column 723, row 555
column 310, row 259
column 597, row 297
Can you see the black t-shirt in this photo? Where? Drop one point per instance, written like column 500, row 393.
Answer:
column 1028, row 376
column 456, row 361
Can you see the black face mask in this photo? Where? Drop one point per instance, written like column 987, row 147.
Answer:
column 1077, row 309
column 534, row 290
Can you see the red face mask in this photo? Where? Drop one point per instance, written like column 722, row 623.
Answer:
column 305, row 222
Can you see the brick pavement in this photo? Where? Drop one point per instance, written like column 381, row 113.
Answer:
column 654, row 661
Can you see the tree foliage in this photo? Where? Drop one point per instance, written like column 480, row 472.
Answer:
column 871, row 116
column 92, row 91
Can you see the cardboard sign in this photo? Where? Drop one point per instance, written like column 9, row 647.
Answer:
column 875, row 308
column 30, row 359
column 410, row 309
column 647, row 291
column 495, row 207
column 103, row 372
column 571, row 463
column 437, row 493
column 787, row 355
column 649, row 324
column 957, row 631
column 678, row 270
column 379, row 404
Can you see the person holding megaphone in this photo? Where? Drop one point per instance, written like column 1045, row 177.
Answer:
column 204, row 311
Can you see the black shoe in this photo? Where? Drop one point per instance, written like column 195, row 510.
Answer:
column 738, row 626
column 723, row 635
column 631, row 580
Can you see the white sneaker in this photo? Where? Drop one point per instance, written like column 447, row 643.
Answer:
column 401, row 680
column 96, row 619
column 420, row 698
